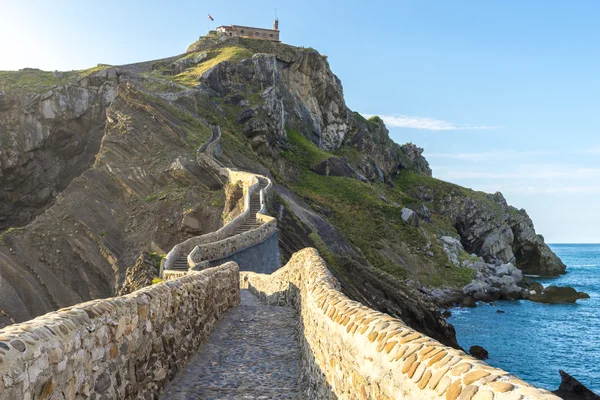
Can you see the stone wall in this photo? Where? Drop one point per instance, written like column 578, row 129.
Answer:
column 262, row 257
column 353, row 352
column 123, row 347
column 220, row 249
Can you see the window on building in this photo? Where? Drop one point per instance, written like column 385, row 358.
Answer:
column 271, row 35
column 256, row 34
column 242, row 31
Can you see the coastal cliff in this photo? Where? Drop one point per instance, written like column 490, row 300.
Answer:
column 393, row 235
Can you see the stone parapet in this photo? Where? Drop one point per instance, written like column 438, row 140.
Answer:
column 353, row 352
column 118, row 348
column 226, row 247
column 210, row 243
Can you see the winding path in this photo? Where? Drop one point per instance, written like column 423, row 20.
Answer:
column 251, row 354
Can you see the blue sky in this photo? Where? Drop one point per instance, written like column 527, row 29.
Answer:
column 503, row 95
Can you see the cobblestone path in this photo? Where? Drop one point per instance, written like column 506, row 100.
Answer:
column 252, row 353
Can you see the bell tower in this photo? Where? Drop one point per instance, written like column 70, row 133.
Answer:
column 276, row 24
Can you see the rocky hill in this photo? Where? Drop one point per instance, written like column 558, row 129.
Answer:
column 99, row 166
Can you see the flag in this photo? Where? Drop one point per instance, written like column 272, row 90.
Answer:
column 211, row 18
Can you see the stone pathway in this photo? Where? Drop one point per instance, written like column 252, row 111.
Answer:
column 252, row 353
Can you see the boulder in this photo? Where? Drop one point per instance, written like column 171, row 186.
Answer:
column 469, row 302
column 424, row 213
column 558, row 295
column 571, row 389
column 335, row 166
column 191, row 224
column 410, row 217
column 479, row 352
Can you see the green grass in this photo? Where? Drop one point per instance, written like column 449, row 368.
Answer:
column 91, row 71
column 10, row 231
column 190, row 76
column 304, row 153
column 32, row 80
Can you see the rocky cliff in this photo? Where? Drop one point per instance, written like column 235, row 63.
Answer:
column 123, row 140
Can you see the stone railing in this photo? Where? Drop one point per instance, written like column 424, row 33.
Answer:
column 124, row 347
column 353, row 352
column 200, row 257
column 224, row 241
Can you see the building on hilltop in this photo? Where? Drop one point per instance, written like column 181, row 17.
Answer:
column 251, row 32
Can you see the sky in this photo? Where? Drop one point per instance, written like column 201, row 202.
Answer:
column 502, row 95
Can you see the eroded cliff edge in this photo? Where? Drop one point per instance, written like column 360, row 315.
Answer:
column 390, row 232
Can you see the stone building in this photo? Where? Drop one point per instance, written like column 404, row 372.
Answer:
column 251, row 32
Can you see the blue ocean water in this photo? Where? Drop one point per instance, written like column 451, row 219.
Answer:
column 534, row 341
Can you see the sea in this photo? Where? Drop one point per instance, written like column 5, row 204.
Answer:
column 533, row 340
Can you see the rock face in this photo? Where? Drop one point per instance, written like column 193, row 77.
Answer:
column 558, row 295
column 335, row 166
column 47, row 140
column 493, row 282
column 140, row 274
column 137, row 183
column 497, row 232
column 571, row 389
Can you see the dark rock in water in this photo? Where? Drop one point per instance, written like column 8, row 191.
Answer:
column 446, row 314
column 335, row 166
column 500, row 312
column 558, row 295
column 536, row 287
column 479, row 352
column 469, row 302
column 571, row 389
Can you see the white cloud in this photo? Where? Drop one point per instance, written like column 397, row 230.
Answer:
column 406, row 121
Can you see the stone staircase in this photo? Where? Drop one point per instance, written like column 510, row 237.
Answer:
column 181, row 263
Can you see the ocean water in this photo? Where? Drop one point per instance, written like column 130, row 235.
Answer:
column 534, row 341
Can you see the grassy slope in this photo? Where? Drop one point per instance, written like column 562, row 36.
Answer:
column 372, row 225
column 35, row 80
column 190, row 76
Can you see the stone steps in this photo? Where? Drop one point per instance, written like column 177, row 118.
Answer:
column 181, row 263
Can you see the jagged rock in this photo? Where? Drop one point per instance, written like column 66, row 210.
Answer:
column 478, row 352
column 47, row 140
column 191, row 223
column 335, row 166
column 496, row 282
column 410, row 217
column 424, row 213
column 381, row 156
column 571, row 389
column 414, row 159
column 140, row 274
column 184, row 63
column 495, row 231
column 557, row 295
column 452, row 247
